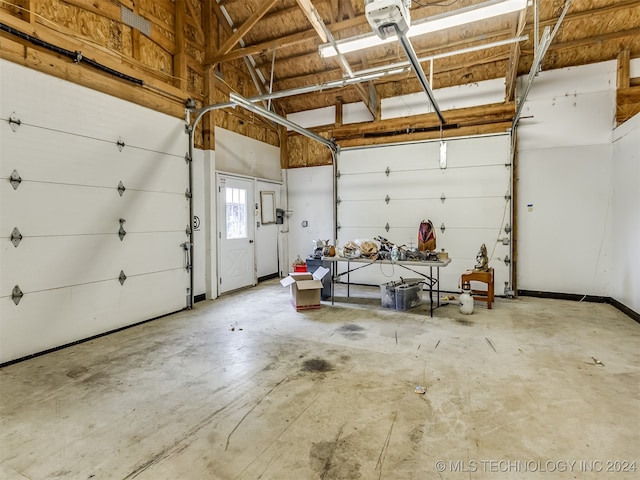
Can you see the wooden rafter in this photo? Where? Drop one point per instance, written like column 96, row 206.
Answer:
column 514, row 58
column 245, row 27
column 313, row 17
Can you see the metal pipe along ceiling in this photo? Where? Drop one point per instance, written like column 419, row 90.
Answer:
column 274, row 117
column 415, row 64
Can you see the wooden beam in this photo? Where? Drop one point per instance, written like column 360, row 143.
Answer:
column 313, row 17
column 64, row 38
column 180, row 57
column 195, row 23
column 338, row 117
column 627, row 103
column 62, row 68
column 514, row 59
column 624, row 69
column 286, row 41
column 246, row 26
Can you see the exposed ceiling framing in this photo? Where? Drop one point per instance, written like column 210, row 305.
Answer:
column 592, row 31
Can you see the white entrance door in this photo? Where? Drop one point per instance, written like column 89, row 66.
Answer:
column 236, row 233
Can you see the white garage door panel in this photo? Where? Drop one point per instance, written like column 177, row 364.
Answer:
column 474, row 210
column 52, row 262
column 53, row 103
column 426, row 184
column 493, row 151
column 68, row 208
column 377, row 159
column 31, row 151
column 52, row 209
column 66, row 315
column 482, row 213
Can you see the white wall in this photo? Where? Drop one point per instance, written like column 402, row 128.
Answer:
column 626, row 214
column 564, row 182
column 310, row 199
column 238, row 154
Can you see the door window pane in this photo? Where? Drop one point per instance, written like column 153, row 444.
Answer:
column 236, row 201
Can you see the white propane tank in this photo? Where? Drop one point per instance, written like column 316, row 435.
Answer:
column 466, row 301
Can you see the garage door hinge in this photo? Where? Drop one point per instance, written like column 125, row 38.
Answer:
column 121, row 188
column 507, row 228
column 16, row 295
column 16, row 237
column 14, row 122
column 122, row 277
column 338, row 201
column 120, row 143
column 188, row 230
column 188, row 194
column 187, row 158
column 338, row 174
column 507, row 197
column 338, row 227
column 121, row 231
column 15, row 179
column 507, row 260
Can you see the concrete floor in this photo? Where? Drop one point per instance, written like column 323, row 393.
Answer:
column 246, row 388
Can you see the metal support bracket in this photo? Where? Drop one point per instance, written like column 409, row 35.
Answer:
column 15, row 179
column 121, row 231
column 16, row 294
column 121, row 188
column 16, row 237
column 14, row 122
column 122, row 277
column 120, row 143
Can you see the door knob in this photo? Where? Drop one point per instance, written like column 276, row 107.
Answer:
column 250, row 241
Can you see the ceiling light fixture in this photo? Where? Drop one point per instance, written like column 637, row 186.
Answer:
column 474, row 13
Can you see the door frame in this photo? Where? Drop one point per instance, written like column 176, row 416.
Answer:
column 251, row 228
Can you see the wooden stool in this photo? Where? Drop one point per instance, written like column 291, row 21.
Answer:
column 484, row 277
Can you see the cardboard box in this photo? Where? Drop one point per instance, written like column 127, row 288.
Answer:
column 305, row 288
